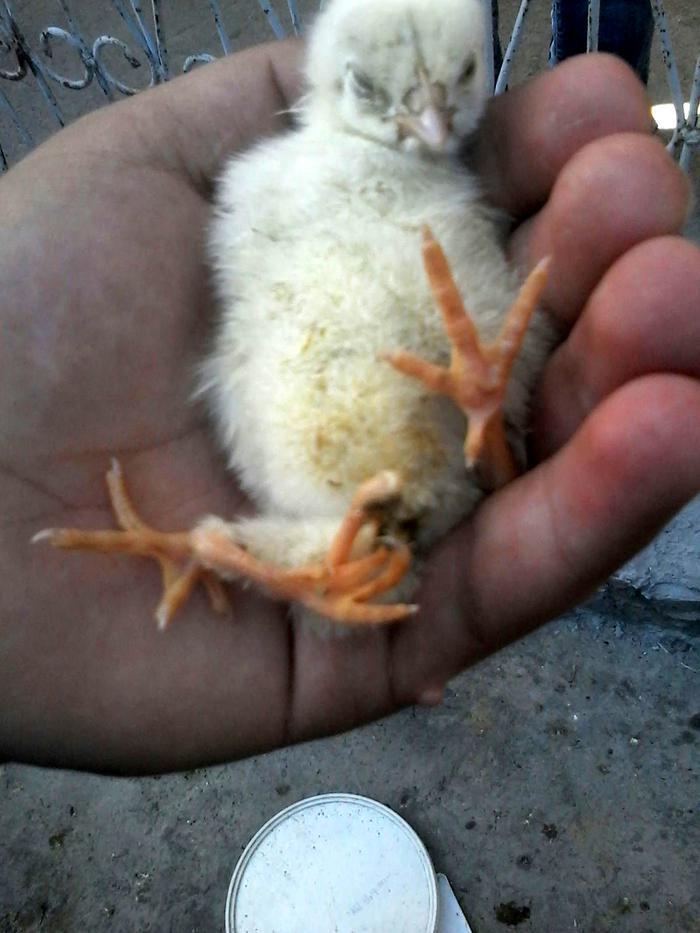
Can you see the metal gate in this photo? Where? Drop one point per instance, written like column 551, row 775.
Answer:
column 103, row 64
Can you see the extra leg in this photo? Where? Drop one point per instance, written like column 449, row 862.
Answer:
column 338, row 588
column 376, row 492
column 477, row 377
column 180, row 571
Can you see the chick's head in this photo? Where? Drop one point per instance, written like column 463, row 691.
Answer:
column 407, row 73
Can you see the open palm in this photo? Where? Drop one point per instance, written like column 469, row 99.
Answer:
column 105, row 310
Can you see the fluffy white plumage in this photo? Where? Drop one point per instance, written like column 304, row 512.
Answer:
column 355, row 458
column 317, row 253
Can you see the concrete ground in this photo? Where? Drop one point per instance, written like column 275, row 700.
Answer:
column 556, row 786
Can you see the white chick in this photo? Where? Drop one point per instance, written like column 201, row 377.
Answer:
column 316, row 247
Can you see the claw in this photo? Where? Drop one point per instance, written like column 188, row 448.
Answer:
column 375, row 492
column 173, row 551
column 478, row 374
column 338, row 588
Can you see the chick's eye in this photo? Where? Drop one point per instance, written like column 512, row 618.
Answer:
column 468, row 70
column 362, row 85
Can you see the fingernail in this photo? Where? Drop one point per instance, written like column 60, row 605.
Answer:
column 431, row 696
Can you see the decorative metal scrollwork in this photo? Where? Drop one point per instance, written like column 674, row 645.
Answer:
column 145, row 47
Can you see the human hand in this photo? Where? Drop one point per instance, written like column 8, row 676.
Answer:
column 104, row 311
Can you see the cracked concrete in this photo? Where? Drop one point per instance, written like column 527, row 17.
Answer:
column 556, row 786
column 665, row 576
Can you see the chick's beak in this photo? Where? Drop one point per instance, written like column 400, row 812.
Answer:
column 431, row 126
column 430, row 121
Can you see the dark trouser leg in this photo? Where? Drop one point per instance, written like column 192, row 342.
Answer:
column 626, row 29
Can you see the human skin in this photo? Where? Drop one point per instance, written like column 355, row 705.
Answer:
column 105, row 310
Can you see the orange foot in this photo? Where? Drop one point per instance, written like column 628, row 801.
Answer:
column 181, row 571
column 477, row 377
column 338, row 588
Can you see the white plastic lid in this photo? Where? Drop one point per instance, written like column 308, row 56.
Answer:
column 336, row 862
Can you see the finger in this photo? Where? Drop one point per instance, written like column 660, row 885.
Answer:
column 614, row 193
column 642, row 318
column 531, row 132
column 544, row 542
column 226, row 105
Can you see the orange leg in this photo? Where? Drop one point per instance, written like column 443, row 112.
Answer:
column 337, row 588
column 172, row 551
column 377, row 491
column 477, row 377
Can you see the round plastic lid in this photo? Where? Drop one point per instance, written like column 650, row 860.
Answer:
column 336, row 862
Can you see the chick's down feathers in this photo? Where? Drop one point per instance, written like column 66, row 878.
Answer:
column 316, row 251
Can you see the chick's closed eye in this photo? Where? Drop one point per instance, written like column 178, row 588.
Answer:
column 469, row 70
column 406, row 74
column 360, row 83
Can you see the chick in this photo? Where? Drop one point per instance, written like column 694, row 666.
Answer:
column 339, row 355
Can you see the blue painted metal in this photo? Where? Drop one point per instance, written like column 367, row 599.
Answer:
column 161, row 44
column 272, row 18
column 220, row 28
column 294, row 17
column 201, row 58
column 669, row 58
column 114, row 83
column 692, row 136
column 14, row 117
column 514, row 42
column 15, row 44
column 685, row 136
column 593, row 25
column 147, row 46
column 133, row 27
column 74, row 37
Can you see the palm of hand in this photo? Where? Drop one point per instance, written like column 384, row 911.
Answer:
column 115, row 249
